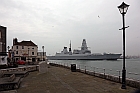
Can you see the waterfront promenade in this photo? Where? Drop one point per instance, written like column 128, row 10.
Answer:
column 62, row 80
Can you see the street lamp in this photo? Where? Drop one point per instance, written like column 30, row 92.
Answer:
column 43, row 52
column 123, row 9
column 8, row 51
column 28, row 55
column 8, row 48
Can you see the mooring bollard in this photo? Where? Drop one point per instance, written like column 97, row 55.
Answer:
column 73, row 67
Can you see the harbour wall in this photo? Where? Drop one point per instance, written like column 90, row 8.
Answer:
column 118, row 79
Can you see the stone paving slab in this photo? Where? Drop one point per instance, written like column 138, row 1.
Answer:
column 61, row 80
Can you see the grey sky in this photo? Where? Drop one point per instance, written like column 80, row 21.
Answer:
column 53, row 23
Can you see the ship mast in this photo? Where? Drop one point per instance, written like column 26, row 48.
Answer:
column 70, row 46
column 84, row 45
column 70, row 52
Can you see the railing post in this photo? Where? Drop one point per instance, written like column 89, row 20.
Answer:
column 91, row 69
column 79, row 68
column 85, row 69
column 96, row 67
column 94, row 71
column 104, row 72
column 119, row 76
column 110, row 71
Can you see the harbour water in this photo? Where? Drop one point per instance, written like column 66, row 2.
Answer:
column 107, row 66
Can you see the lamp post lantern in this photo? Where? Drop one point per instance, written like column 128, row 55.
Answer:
column 123, row 9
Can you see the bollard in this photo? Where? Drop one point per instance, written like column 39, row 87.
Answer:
column 73, row 67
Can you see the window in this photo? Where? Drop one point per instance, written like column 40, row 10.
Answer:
column 32, row 53
column 22, row 47
column 32, row 48
column 16, row 52
column 17, row 47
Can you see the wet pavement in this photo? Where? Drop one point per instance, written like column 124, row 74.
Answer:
column 62, row 80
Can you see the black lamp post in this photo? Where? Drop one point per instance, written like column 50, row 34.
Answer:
column 28, row 55
column 8, row 51
column 43, row 52
column 8, row 48
column 123, row 9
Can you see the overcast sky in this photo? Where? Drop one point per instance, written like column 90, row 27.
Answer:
column 53, row 23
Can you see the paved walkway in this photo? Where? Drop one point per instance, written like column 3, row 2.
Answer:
column 61, row 80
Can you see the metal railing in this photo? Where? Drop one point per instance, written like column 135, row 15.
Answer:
column 105, row 71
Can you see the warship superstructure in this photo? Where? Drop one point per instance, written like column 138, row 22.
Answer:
column 83, row 54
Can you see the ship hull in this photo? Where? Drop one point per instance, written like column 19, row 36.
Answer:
column 86, row 57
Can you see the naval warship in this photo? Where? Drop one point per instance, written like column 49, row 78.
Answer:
column 83, row 54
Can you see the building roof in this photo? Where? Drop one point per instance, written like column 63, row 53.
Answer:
column 25, row 43
column 2, row 26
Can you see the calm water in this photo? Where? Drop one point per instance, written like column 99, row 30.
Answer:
column 110, row 67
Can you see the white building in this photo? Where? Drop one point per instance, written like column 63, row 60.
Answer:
column 24, row 50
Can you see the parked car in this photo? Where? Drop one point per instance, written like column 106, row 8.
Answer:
column 21, row 62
